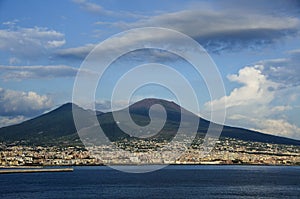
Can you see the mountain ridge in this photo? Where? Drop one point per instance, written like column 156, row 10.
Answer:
column 58, row 125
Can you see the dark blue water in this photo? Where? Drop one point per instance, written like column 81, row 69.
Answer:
column 170, row 182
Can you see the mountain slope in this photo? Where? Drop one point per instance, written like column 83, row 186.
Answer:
column 46, row 128
column 58, row 127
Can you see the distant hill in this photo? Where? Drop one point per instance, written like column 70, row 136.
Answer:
column 57, row 127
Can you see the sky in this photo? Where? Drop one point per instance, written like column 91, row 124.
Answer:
column 255, row 46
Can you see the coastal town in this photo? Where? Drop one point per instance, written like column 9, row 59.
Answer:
column 226, row 151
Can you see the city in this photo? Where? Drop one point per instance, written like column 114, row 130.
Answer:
column 226, row 151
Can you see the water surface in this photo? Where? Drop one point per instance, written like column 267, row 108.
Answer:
column 170, row 182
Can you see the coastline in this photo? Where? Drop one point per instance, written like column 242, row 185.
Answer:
column 70, row 168
column 105, row 165
column 217, row 163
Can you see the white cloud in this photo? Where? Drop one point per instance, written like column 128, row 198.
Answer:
column 279, row 127
column 11, row 23
column 29, row 42
column 7, row 121
column 39, row 71
column 77, row 52
column 97, row 9
column 56, row 43
column 19, row 103
column 252, row 104
column 280, row 108
column 91, row 7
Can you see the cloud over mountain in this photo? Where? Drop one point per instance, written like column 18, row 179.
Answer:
column 256, row 103
column 19, row 103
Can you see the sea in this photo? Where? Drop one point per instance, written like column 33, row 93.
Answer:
column 177, row 181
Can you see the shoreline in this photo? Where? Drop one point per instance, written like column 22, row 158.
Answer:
column 49, row 167
column 70, row 168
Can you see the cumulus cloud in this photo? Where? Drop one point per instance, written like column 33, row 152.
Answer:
column 19, row 103
column 255, row 90
column 252, row 104
column 29, row 72
column 29, row 42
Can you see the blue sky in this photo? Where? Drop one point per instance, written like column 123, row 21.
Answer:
column 254, row 44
